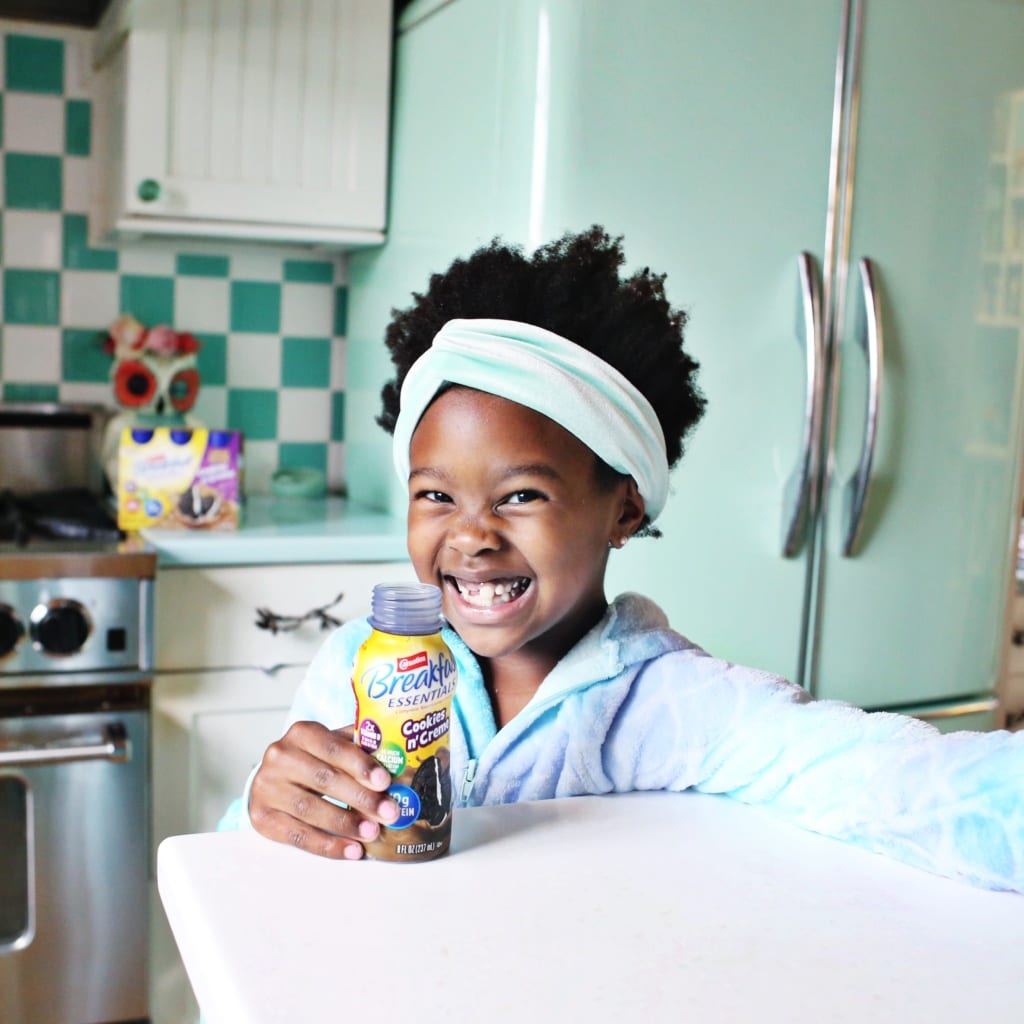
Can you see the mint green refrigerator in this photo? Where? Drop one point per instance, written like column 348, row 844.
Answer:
column 835, row 190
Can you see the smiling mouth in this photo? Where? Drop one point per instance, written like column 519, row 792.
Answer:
column 492, row 592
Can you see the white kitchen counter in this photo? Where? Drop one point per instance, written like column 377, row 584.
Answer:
column 286, row 531
column 646, row 907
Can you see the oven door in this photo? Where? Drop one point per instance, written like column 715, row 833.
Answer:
column 73, row 855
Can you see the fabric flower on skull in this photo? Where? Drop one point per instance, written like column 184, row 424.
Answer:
column 154, row 368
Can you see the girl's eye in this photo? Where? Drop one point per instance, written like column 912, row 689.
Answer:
column 522, row 497
column 434, row 496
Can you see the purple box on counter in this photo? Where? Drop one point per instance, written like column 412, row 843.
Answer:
column 179, row 478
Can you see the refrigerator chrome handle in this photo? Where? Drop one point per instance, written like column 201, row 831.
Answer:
column 114, row 745
column 855, row 493
column 799, row 491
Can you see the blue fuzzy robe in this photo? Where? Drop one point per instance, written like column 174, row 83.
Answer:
column 636, row 706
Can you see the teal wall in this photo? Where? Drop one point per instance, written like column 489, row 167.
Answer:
column 462, row 163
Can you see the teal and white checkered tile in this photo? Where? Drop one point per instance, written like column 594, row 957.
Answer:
column 271, row 320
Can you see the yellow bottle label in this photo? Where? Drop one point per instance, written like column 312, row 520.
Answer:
column 403, row 687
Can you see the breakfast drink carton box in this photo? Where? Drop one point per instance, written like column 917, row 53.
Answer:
column 179, row 478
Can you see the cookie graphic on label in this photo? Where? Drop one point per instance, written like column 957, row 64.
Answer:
column 432, row 783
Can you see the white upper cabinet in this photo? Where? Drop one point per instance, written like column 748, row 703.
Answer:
column 244, row 119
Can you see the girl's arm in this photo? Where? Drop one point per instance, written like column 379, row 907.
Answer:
column 952, row 804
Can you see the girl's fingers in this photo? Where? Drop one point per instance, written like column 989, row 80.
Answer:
column 275, row 795
column 292, row 814
column 327, row 763
column 309, row 763
column 337, row 747
column 283, row 828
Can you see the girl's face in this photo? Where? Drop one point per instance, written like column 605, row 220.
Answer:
column 506, row 515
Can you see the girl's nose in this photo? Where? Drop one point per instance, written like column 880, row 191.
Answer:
column 474, row 534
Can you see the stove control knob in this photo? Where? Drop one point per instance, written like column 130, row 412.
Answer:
column 11, row 630
column 60, row 627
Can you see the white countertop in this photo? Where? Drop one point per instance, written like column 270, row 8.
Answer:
column 287, row 530
column 646, row 907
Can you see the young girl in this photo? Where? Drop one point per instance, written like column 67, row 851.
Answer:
column 538, row 406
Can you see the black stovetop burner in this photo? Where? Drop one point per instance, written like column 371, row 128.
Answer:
column 71, row 514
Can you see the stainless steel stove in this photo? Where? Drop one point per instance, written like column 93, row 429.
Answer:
column 75, row 670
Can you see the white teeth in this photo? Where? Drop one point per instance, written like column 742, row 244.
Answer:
column 488, row 594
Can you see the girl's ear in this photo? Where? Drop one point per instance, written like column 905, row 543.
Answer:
column 631, row 514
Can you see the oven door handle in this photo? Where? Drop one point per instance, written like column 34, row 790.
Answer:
column 113, row 745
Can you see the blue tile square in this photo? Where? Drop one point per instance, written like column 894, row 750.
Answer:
column 193, row 265
column 306, row 362
column 212, row 359
column 302, row 454
column 78, row 127
column 31, row 297
column 256, row 306
column 34, row 64
column 84, row 360
column 309, row 271
column 33, row 181
column 341, row 311
column 338, row 416
column 148, row 298
column 14, row 391
column 254, row 412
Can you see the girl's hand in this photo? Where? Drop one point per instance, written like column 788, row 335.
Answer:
column 309, row 762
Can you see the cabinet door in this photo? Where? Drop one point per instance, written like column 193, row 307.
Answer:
column 228, row 745
column 209, row 730
column 918, row 613
column 258, row 112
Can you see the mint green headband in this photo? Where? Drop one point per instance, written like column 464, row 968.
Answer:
column 551, row 375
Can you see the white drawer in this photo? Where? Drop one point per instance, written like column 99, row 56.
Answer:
column 206, row 617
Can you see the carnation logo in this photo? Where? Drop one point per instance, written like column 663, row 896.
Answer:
column 412, row 662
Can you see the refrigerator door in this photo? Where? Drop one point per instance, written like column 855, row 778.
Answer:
column 702, row 134
column 915, row 613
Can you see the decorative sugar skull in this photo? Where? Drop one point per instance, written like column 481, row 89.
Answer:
column 154, row 370
column 155, row 381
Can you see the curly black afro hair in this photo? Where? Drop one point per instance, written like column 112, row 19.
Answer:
column 573, row 287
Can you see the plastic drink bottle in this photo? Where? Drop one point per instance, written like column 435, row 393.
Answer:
column 404, row 677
